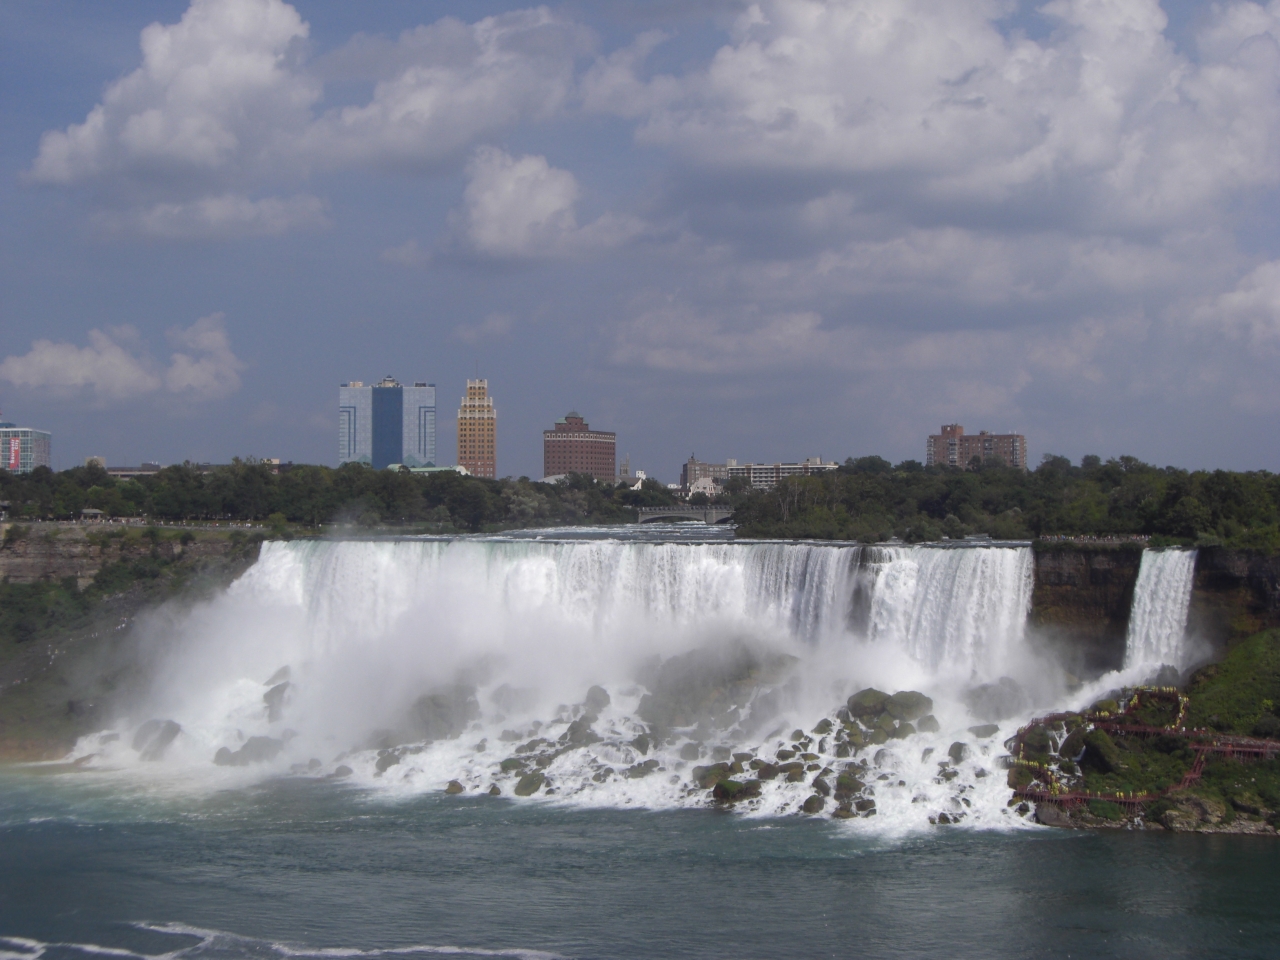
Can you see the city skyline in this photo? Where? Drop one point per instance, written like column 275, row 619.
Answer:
column 653, row 213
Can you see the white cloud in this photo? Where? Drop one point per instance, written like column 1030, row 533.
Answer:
column 217, row 92
column 222, row 104
column 112, row 367
column 210, row 369
column 921, row 102
column 492, row 327
column 450, row 84
column 522, row 208
column 1250, row 311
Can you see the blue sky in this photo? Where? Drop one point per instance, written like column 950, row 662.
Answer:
column 763, row 231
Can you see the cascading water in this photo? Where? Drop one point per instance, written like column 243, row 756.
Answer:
column 419, row 662
column 1158, row 616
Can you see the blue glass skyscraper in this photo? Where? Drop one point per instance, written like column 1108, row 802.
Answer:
column 387, row 423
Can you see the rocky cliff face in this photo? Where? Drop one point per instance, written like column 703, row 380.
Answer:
column 1236, row 595
column 1080, row 607
column 56, row 551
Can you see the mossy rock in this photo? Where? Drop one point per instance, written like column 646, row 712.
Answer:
column 848, row 786
column 908, row 705
column 1105, row 706
column 928, row 724
column 708, row 777
column 766, row 771
column 791, row 766
column 512, row 765
column 823, row 727
column 1020, row 777
column 454, row 787
column 843, row 812
column 814, row 805
column 786, row 754
column 1037, row 743
column 1101, row 753
column 642, row 769
column 1072, row 746
column 530, row 784
column 691, row 751
column 958, row 751
column 732, row 791
column 867, row 703
column 903, row 730
column 878, row 737
column 985, row 730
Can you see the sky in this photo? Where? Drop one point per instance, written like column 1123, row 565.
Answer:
column 764, row 231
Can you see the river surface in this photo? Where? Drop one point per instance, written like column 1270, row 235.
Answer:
column 297, row 868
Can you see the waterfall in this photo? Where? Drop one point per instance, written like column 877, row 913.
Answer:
column 1158, row 617
column 414, row 663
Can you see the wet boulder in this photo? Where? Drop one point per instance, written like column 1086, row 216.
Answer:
column 766, row 771
column 255, row 750
column 823, row 727
column 928, row 724
column 813, row 805
column 958, row 751
column 596, row 700
column 641, row 743
column 580, row 733
column 1072, row 748
column 867, row 703
column 903, row 730
column 530, row 784
column 708, row 777
column 908, row 705
column 985, row 730
column 341, row 771
column 153, row 738
column 274, row 699
column 639, row 770
column 732, row 791
column 997, row 701
column 445, row 714
column 453, row 787
column 691, row 751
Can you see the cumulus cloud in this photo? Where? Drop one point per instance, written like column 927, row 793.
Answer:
column 522, row 208
column 217, row 93
column 922, row 103
column 114, row 367
column 223, row 102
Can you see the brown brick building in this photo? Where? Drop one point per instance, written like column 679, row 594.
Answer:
column 956, row 448
column 573, row 447
column 478, row 431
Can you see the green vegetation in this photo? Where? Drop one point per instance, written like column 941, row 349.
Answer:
column 311, row 495
column 48, row 608
column 1239, row 695
column 870, row 499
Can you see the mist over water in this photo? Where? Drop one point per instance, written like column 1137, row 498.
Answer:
column 404, row 665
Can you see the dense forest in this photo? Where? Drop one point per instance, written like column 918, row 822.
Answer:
column 312, row 495
column 866, row 499
column 870, row 499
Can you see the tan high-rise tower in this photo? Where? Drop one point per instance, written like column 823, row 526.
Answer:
column 478, row 431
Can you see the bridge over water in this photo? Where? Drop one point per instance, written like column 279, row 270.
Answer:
column 707, row 514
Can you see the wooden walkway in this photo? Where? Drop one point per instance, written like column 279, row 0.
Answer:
column 1203, row 742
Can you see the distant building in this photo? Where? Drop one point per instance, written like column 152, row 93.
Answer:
column 478, row 431
column 693, row 470
column 387, row 423
column 956, row 448
column 23, row 449
column 571, row 446
column 762, row 476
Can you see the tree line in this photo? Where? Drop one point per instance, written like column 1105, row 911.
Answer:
column 247, row 490
column 870, row 499
column 866, row 499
